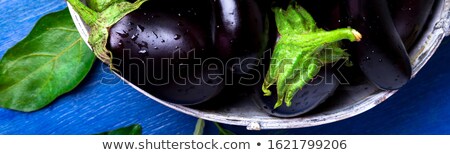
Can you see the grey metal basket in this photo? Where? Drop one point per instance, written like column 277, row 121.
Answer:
column 355, row 101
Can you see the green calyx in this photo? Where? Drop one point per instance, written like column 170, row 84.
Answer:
column 100, row 21
column 301, row 51
column 100, row 5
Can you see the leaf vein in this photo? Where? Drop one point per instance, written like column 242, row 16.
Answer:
column 62, row 29
column 57, row 56
column 12, row 63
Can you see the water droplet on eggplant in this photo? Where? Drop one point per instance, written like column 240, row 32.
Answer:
column 123, row 34
column 134, row 37
column 143, row 51
column 143, row 44
column 156, row 35
column 140, row 28
column 176, row 36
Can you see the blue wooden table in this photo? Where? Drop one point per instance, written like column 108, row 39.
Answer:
column 102, row 102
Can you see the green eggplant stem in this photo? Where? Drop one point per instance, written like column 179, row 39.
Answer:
column 100, row 5
column 100, row 22
column 88, row 15
column 300, row 52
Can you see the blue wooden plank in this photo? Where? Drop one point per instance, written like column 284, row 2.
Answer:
column 102, row 102
column 19, row 16
column 95, row 106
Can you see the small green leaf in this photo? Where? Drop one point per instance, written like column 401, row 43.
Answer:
column 223, row 131
column 130, row 130
column 50, row 61
column 199, row 127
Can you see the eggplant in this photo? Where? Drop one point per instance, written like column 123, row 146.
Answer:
column 163, row 48
column 183, row 51
column 410, row 17
column 312, row 95
column 241, row 35
column 241, row 27
column 381, row 55
column 326, row 13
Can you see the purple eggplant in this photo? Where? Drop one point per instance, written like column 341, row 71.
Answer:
column 381, row 55
column 312, row 95
column 183, row 51
column 327, row 13
column 410, row 17
column 241, row 35
column 162, row 48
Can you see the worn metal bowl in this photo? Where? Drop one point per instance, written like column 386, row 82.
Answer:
column 347, row 102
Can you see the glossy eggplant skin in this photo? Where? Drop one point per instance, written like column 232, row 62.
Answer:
column 183, row 52
column 241, row 26
column 241, row 35
column 381, row 54
column 305, row 100
column 162, row 48
column 410, row 17
column 327, row 13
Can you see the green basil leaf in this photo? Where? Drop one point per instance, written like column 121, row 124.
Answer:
column 223, row 131
column 50, row 61
column 130, row 130
column 199, row 127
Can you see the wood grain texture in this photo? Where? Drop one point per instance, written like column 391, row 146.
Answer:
column 102, row 102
